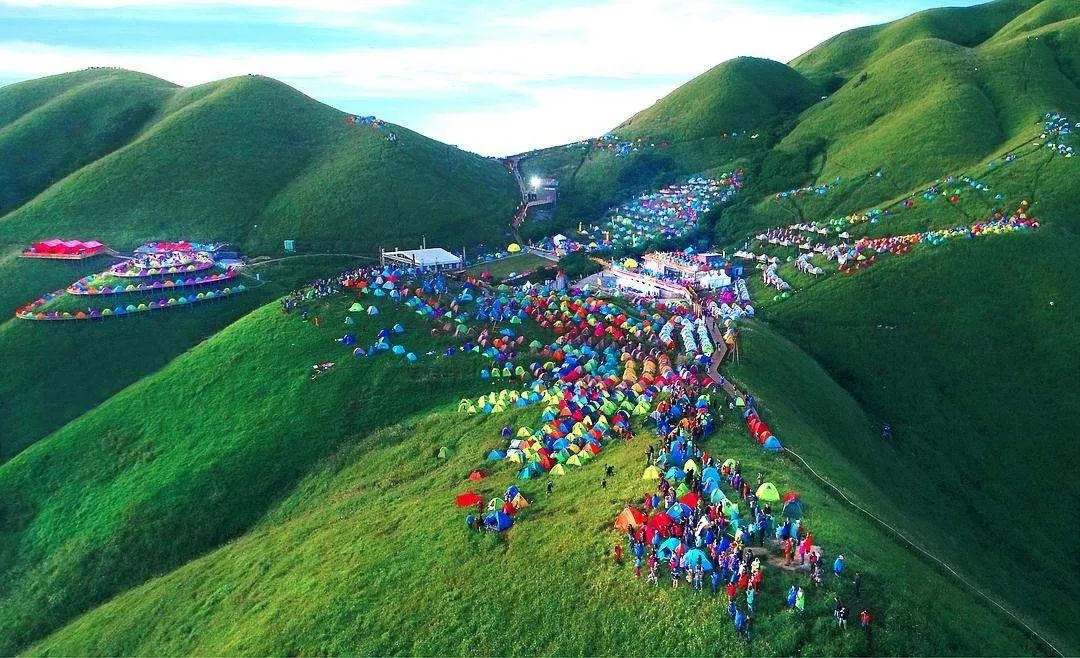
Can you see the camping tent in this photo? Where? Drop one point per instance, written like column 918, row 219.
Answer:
column 468, row 499
column 629, row 518
column 767, row 493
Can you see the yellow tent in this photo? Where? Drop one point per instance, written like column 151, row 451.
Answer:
column 519, row 501
column 523, row 432
column 574, row 461
column 690, row 466
column 558, row 469
column 651, row 473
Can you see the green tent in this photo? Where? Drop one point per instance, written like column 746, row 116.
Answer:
column 767, row 493
column 444, row 452
column 356, row 307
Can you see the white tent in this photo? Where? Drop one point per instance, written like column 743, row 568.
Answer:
column 424, row 258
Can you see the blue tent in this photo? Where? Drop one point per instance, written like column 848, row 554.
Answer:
column 398, row 329
column 691, row 559
column 668, row 546
column 674, row 473
column 711, row 473
column 677, row 511
column 772, row 444
column 498, row 520
column 496, row 455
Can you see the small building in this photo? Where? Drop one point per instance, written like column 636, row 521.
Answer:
column 64, row 249
column 648, row 286
column 434, row 258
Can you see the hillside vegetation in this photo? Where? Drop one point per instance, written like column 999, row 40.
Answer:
column 246, row 160
column 342, row 537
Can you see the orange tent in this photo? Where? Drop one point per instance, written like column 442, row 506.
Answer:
column 629, row 517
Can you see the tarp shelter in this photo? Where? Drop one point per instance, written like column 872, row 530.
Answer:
column 436, row 258
column 629, row 518
column 767, row 493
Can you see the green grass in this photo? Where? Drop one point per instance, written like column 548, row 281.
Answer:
column 67, row 368
column 78, row 123
column 366, row 554
column 190, row 457
column 503, row 267
column 245, row 160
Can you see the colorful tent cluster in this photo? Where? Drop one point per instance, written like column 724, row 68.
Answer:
column 760, row 432
column 176, row 262
column 669, row 213
column 35, row 311
column 88, row 285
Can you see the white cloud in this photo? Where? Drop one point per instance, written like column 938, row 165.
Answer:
column 561, row 61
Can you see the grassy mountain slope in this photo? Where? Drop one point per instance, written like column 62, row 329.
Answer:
column 366, row 553
column 744, row 95
column 70, row 129
column 845, row 55
column 246, row 160
column 67, row 369
column 189, row 458
column 252, row 161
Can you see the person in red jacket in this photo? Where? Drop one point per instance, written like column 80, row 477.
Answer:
column 864, row 620
column 731, row 591
column 618, row 554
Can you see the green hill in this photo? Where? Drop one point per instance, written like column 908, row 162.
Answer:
column 845, row 55
column 51, row 127
column 124, row 158
column 230, row 504
column 251, row 161
column 686, row 132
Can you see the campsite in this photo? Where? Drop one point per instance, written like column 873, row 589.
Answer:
column 636, row 345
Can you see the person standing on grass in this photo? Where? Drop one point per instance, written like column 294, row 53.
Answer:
column 841, row 617
column 800, row 601
column 864, row 620
column 618, row 554
column 550, row 485
column 857, row 582
column 838, row 566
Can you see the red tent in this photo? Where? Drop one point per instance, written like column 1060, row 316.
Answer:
column 476, row 476
column 468, row 499
column 690, row 499
column 790, row 496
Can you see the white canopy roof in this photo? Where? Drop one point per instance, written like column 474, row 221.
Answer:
column 435, row 257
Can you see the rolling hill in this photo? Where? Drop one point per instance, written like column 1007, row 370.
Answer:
column 246, row 160
column 231, row 504
column 959, row 348
column 205, row 495
column 124, row 157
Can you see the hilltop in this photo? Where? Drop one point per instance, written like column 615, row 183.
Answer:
column 124, row 157
column 246, row 160
column 189, row 483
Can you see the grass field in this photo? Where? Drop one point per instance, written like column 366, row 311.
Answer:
column 504, row 267
column 346, row 470
column 246, row 160
column 67, row 368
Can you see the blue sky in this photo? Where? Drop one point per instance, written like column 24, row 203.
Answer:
column 494, row 77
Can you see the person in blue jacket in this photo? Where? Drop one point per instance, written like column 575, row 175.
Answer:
column 838, row 565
